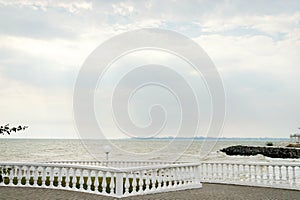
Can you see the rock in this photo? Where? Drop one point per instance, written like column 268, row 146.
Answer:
column 297, row 145
column 272, row 152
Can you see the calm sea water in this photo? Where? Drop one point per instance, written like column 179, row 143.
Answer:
column 18, row 150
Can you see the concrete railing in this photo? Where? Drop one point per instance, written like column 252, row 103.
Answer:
column 103, row 180
column 281, row 175
column 143, row 177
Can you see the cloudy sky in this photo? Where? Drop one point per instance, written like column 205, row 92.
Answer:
column 255, row 46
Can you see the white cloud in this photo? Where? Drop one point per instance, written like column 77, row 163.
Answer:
column 70, row 6
column 269, row 24
column 255, row 53
column 255, row 47
column 123, row 9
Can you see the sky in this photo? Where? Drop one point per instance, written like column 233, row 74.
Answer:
column 255, row 46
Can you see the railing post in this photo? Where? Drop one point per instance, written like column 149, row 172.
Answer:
column 119, row 184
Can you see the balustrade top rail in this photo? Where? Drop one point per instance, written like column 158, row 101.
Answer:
column 253, row 163
column 102, row 168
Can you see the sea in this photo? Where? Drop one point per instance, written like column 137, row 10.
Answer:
column 45, row 150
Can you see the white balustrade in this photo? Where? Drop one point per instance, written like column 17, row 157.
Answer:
column 283, row 175
column 150, row 177
column 85, row 177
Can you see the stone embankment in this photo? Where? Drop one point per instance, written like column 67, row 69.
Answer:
column 272, row 152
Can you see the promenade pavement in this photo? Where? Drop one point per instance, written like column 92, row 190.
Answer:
column 209, row 191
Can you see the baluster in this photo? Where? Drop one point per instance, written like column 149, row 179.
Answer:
column 141, row 182
column 215, row 166
column 217, row 171
column 228, row 172
column 197, row 174
column 163, row 177
column 268, row 174
column 67, row 178
column 187, row 177
column 211, row 167
column 231, row 172
column 179, row 176
column 159, row 179
column 81, row 180
column 250, row 173
column 287, row 174
column 127, row 185
column 19, row 175
column 153, row 179
column 59, row 179
column 232, row 175
column 261, row 173
column 104, row 183
column 238, row 172
column 147, row 182
column 255, row 173
column 134, row 183
column 274, row 175
column 235, row 172
column 242, row 175
column 213, row 171
column 192, row 174
column 89, row 181
column 244, row 172
column 201, row 172
column 74, row 179
column 175, row 177
column 170, row 177
column 27, row 176
column 43, row 176
column 280, row 174
column 183, row 175
column 51, row 177
column 35, row 176
column 207, row 171
column 96, row 182
column 221, row 175
column 222, row 171
column 294, row 175
column 11, row 176
column 112, row 183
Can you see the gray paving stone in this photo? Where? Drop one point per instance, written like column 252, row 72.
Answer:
column 209, row 191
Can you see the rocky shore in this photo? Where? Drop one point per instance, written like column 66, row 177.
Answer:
column 272, row 152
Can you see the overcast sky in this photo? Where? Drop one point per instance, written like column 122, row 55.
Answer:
column 255, row 46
